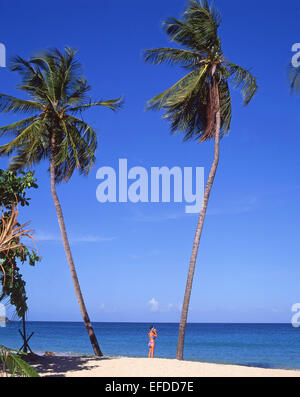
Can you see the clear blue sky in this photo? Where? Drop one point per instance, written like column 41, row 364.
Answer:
column 127, row 254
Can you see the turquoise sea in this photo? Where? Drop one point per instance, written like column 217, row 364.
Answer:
column 260, row 345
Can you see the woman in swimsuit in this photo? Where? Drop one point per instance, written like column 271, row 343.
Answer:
column 152, row 335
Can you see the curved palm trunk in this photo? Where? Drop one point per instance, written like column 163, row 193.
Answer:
column 66, row 244
column 188, row 288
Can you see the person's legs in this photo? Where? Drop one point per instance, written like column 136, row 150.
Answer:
column 152, row 350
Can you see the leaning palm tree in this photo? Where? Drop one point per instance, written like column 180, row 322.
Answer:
column 199, row 105
column 58, row 93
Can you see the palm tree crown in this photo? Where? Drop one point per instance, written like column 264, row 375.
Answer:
column 190, row 104
column 58, row 92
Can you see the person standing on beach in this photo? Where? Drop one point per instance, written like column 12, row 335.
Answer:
column 152, row 335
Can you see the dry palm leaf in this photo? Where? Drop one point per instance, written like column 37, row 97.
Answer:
column 10, row 234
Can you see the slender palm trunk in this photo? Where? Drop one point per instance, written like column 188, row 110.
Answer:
column 66, row 244
column 188, row 288
column 25, row 347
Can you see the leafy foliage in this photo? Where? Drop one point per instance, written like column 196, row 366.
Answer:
column 58, row 91
column 13, row 365
column 190, row 104
column 13, row 188
column 11, row 233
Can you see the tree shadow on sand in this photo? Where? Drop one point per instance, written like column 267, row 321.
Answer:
column 58, row 366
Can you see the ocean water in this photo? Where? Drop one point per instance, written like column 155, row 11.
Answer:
column 260, row 345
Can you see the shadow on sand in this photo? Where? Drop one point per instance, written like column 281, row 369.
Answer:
column 58, row 366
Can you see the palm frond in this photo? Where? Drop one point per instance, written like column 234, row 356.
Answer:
column 183, row 85
column 54, row 81
column 172, row 56
column 10, row 234
column 86, row 131
column 113, row 104
column 11, row 104
column 198, row 28
column 243, row 80
column 185, row 35
column 11, row 231
column 76, row 150
column 78, row 93
column 204, row 19
column 15, row 128
column 27, row 135
column 13, row 365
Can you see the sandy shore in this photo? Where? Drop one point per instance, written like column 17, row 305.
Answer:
column 157, row 367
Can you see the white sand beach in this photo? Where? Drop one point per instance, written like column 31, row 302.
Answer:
column 144, row 367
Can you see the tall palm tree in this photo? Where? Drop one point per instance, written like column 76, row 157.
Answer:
column 199, row 104
column 58, row 92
